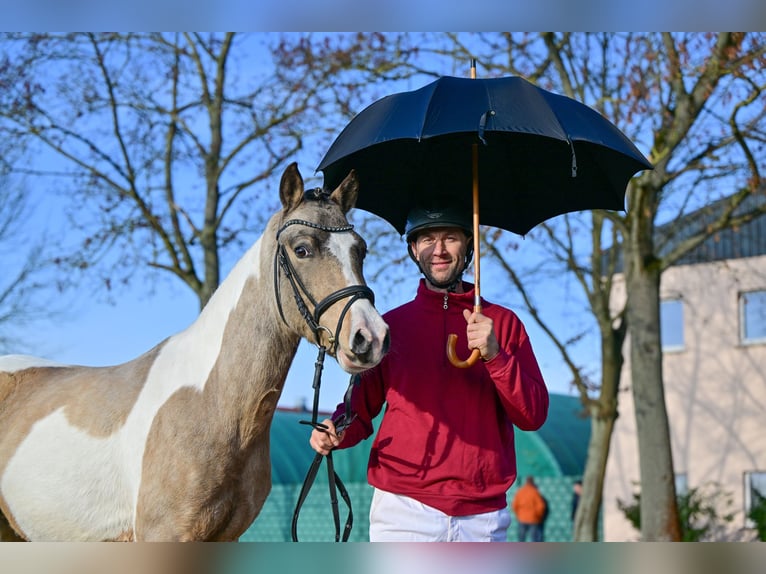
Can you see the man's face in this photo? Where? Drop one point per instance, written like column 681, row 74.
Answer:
column 440, row 253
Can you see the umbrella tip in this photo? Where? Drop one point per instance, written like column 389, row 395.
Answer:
column 473, row 68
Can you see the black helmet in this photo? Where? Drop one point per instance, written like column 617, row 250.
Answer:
column 420, row 218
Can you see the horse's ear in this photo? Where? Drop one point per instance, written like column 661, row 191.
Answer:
column 291, row 188
column 346, row 193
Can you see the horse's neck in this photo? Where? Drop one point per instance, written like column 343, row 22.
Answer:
column 238, row 337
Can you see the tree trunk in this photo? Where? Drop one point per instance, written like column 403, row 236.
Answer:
column 659, row 511
column 603, row 414
column 586, row 519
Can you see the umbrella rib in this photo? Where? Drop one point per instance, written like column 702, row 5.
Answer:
column 426, row 114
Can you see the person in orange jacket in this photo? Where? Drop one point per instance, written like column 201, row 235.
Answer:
column 530, row 509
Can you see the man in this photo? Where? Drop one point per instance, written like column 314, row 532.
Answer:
column 443, row 458
column 531, row 509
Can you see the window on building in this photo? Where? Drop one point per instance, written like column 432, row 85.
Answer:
column 752, row 312
column 755, row 490
column 672, row 324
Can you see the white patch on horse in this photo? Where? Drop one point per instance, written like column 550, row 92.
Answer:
column 77, row 465
column 363, row 312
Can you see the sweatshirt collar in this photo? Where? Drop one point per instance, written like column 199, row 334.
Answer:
column 464, row 299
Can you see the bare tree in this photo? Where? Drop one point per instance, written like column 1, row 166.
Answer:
column 164, row 143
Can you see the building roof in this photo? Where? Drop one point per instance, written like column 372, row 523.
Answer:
column 558, row 448
column 746, row 240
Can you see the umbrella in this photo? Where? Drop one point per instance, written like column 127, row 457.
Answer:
column 533, row 154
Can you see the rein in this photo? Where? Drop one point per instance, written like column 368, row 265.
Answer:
column 333, row 480
column 352, row 293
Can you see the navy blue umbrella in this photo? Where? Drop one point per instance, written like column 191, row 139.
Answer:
column 532, row 154
column 540, row 154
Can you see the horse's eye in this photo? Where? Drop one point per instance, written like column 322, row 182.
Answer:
column 302, row 251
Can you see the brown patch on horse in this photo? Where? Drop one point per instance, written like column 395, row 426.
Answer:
column 179, row 502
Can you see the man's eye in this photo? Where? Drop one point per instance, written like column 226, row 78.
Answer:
column 301, row 252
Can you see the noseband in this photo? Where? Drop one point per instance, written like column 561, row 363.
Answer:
column 353, row 293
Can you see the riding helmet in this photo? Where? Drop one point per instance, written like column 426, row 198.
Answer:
column 420, row 218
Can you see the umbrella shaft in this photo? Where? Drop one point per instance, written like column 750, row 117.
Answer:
column 476, row 241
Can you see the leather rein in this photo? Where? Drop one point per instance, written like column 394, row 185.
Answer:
column 283, row 264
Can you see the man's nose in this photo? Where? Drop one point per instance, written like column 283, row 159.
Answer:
column 440, row 247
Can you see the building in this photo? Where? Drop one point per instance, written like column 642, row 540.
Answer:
column 713, row 331
column 554, row 455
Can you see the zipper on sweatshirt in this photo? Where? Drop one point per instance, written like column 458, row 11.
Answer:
column 445, row 328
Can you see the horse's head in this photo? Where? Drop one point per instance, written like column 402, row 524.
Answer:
column 318, row 273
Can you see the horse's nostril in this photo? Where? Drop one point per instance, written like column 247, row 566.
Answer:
column 361, row 344
column 386, row 343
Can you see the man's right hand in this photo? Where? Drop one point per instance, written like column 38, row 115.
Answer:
column 323, row 441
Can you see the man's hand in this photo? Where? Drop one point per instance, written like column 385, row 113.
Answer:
column 481, row 334
column 323, row 441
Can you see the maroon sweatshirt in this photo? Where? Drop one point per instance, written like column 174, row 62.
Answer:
column 446, row 438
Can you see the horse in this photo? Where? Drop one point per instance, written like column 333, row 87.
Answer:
column 174, row 444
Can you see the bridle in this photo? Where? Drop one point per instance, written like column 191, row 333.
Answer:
column 300, row 294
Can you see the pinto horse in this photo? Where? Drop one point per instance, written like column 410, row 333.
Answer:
column 174, row 445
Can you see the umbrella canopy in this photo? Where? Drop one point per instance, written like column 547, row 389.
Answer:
column 529, row 153
column 540, row 154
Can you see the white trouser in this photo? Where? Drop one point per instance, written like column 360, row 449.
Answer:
column 396, row 518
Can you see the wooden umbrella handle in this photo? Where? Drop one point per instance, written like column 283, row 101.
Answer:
column 453, row 358
column 452, row 355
